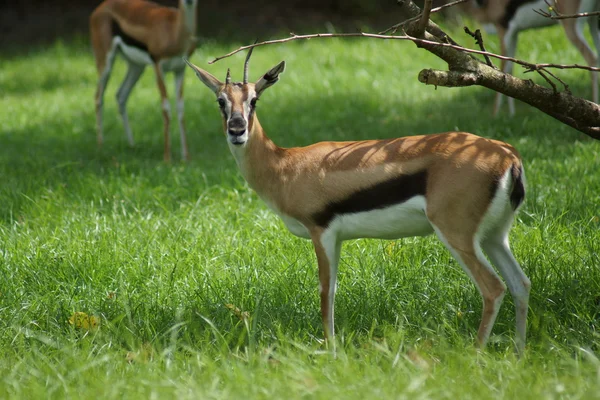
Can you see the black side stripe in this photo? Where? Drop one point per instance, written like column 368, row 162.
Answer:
column 511, row 10
column 494, row 188
column 381, row 195
column 517, row 195
column 128, row 40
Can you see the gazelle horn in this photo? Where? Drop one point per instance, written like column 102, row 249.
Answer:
column 246, row 64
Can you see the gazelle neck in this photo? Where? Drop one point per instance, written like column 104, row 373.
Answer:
column 258, row 158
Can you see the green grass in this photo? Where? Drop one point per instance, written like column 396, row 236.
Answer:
column 157, row 251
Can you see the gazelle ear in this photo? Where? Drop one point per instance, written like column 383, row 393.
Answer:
column 210, row 81
column 270, row 78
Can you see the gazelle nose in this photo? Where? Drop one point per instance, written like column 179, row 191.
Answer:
column 236, row 126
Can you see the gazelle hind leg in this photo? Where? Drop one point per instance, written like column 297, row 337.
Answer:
column 498, row 250
column 134, row 72
column 469, row 255
column 574, row 31
column 179, row 75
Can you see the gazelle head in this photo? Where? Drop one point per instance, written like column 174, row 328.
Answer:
column 237, row 101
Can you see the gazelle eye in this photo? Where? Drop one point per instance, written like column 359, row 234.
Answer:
column 253, row 102
column 221, row 102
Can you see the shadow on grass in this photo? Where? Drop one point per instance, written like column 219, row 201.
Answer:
column 45, row 156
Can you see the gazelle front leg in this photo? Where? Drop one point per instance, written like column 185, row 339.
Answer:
column 166, row 109
column 179, row 75
column 327, row 247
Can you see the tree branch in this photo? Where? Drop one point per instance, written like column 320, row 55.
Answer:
column 558, row 15
column 479, row 41
column 572, row 111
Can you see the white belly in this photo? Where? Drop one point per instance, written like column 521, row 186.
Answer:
column 137, row 56
column 394, row 222
column 401, row 220
column 132, row 53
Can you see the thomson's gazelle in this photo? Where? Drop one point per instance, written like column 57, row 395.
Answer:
column 463, row 187
column 144, row 33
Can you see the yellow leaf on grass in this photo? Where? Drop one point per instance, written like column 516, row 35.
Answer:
column 389, row 248
column 242, row 315
column 83, row 321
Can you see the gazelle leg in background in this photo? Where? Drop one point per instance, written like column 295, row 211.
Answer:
column 179, row 75
column 104, row 66
column 595, row 31
column 499, row 99
column 508, row 42
column 574, row 31
column 134, row 72
column 166, row 109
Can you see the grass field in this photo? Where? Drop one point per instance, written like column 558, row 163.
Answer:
column 199, row 290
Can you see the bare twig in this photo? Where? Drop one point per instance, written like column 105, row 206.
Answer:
column 543, row 75
column 558, row 15
column 560, row 80
column 528, row 66
column 394, row 28
column 479, row 41
column 567, row 16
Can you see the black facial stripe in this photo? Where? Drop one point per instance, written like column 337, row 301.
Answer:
column 384, row 194
column 128, row 40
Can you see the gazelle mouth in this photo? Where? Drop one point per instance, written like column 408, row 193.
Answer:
column 237, row 140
